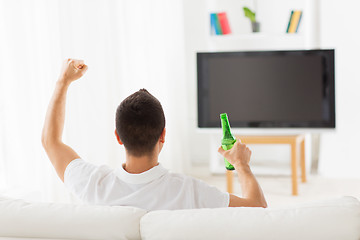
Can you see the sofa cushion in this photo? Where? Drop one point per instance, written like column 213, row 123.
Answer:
column 334, row 219
column 26, row 238
column 66, row 221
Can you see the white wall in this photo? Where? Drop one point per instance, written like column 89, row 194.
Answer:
column 339, row 25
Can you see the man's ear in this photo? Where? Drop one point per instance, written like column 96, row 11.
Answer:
column 162, row 136
column 118, row 138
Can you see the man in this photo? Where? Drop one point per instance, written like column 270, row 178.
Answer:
column 141, row 182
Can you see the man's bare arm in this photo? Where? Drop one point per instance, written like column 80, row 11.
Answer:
column 239, row 156
column 59, row 153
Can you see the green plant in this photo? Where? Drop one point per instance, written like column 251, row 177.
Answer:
column 249, row 14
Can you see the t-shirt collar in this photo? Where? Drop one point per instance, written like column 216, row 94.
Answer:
column 141, row 178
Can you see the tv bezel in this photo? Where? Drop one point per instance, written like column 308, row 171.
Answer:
column 329, row 56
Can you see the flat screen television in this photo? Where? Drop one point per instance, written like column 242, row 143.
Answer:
column 267, row 89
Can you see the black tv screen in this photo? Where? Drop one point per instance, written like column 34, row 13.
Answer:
column 267, row 89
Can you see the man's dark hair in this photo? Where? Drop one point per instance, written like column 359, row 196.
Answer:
column 140, row 121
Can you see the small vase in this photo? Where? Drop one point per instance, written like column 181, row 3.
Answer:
column 255, row 26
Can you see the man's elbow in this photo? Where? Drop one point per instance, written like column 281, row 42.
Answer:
column 45, row 141
column 258, row 203
column 262, row 204
column 44, row 138
column 48, row 142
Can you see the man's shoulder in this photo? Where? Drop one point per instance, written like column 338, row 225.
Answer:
column 78, row 168
column 80, row 163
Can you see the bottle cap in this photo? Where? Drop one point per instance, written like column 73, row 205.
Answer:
column 223, row 115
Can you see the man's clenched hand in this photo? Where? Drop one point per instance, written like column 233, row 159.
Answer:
column 239, row 155
column 72, row 70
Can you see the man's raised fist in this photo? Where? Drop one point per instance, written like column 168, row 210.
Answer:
column 72, row 70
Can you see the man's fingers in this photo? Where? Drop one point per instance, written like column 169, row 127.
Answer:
column 79, row 63
column 84, row 68
column 75, row 62
column 221, row 150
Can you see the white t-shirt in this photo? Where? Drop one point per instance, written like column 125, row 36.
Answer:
column 155, row 189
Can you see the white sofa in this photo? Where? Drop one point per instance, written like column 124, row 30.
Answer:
column 332, row 219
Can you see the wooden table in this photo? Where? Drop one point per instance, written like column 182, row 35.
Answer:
column 297, row 143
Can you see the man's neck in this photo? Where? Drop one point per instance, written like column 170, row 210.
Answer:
column 140, row 164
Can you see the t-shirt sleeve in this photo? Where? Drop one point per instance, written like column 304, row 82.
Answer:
column 85, row 180
column 207, row 196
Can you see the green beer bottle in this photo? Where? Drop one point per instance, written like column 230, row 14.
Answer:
column 228, row 140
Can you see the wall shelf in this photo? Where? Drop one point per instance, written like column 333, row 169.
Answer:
column 257, row 41
column 260, row 35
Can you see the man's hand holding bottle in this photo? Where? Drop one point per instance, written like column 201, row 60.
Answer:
column 239, row 155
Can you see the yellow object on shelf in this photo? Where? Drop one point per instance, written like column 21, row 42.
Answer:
column 294, row 21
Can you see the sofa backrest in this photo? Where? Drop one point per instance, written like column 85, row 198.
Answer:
column 334, row 219
column 21, row 219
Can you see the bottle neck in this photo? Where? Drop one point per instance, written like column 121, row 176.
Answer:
column 226, row 128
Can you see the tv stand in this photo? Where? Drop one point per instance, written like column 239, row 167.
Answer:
column 297, row 144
